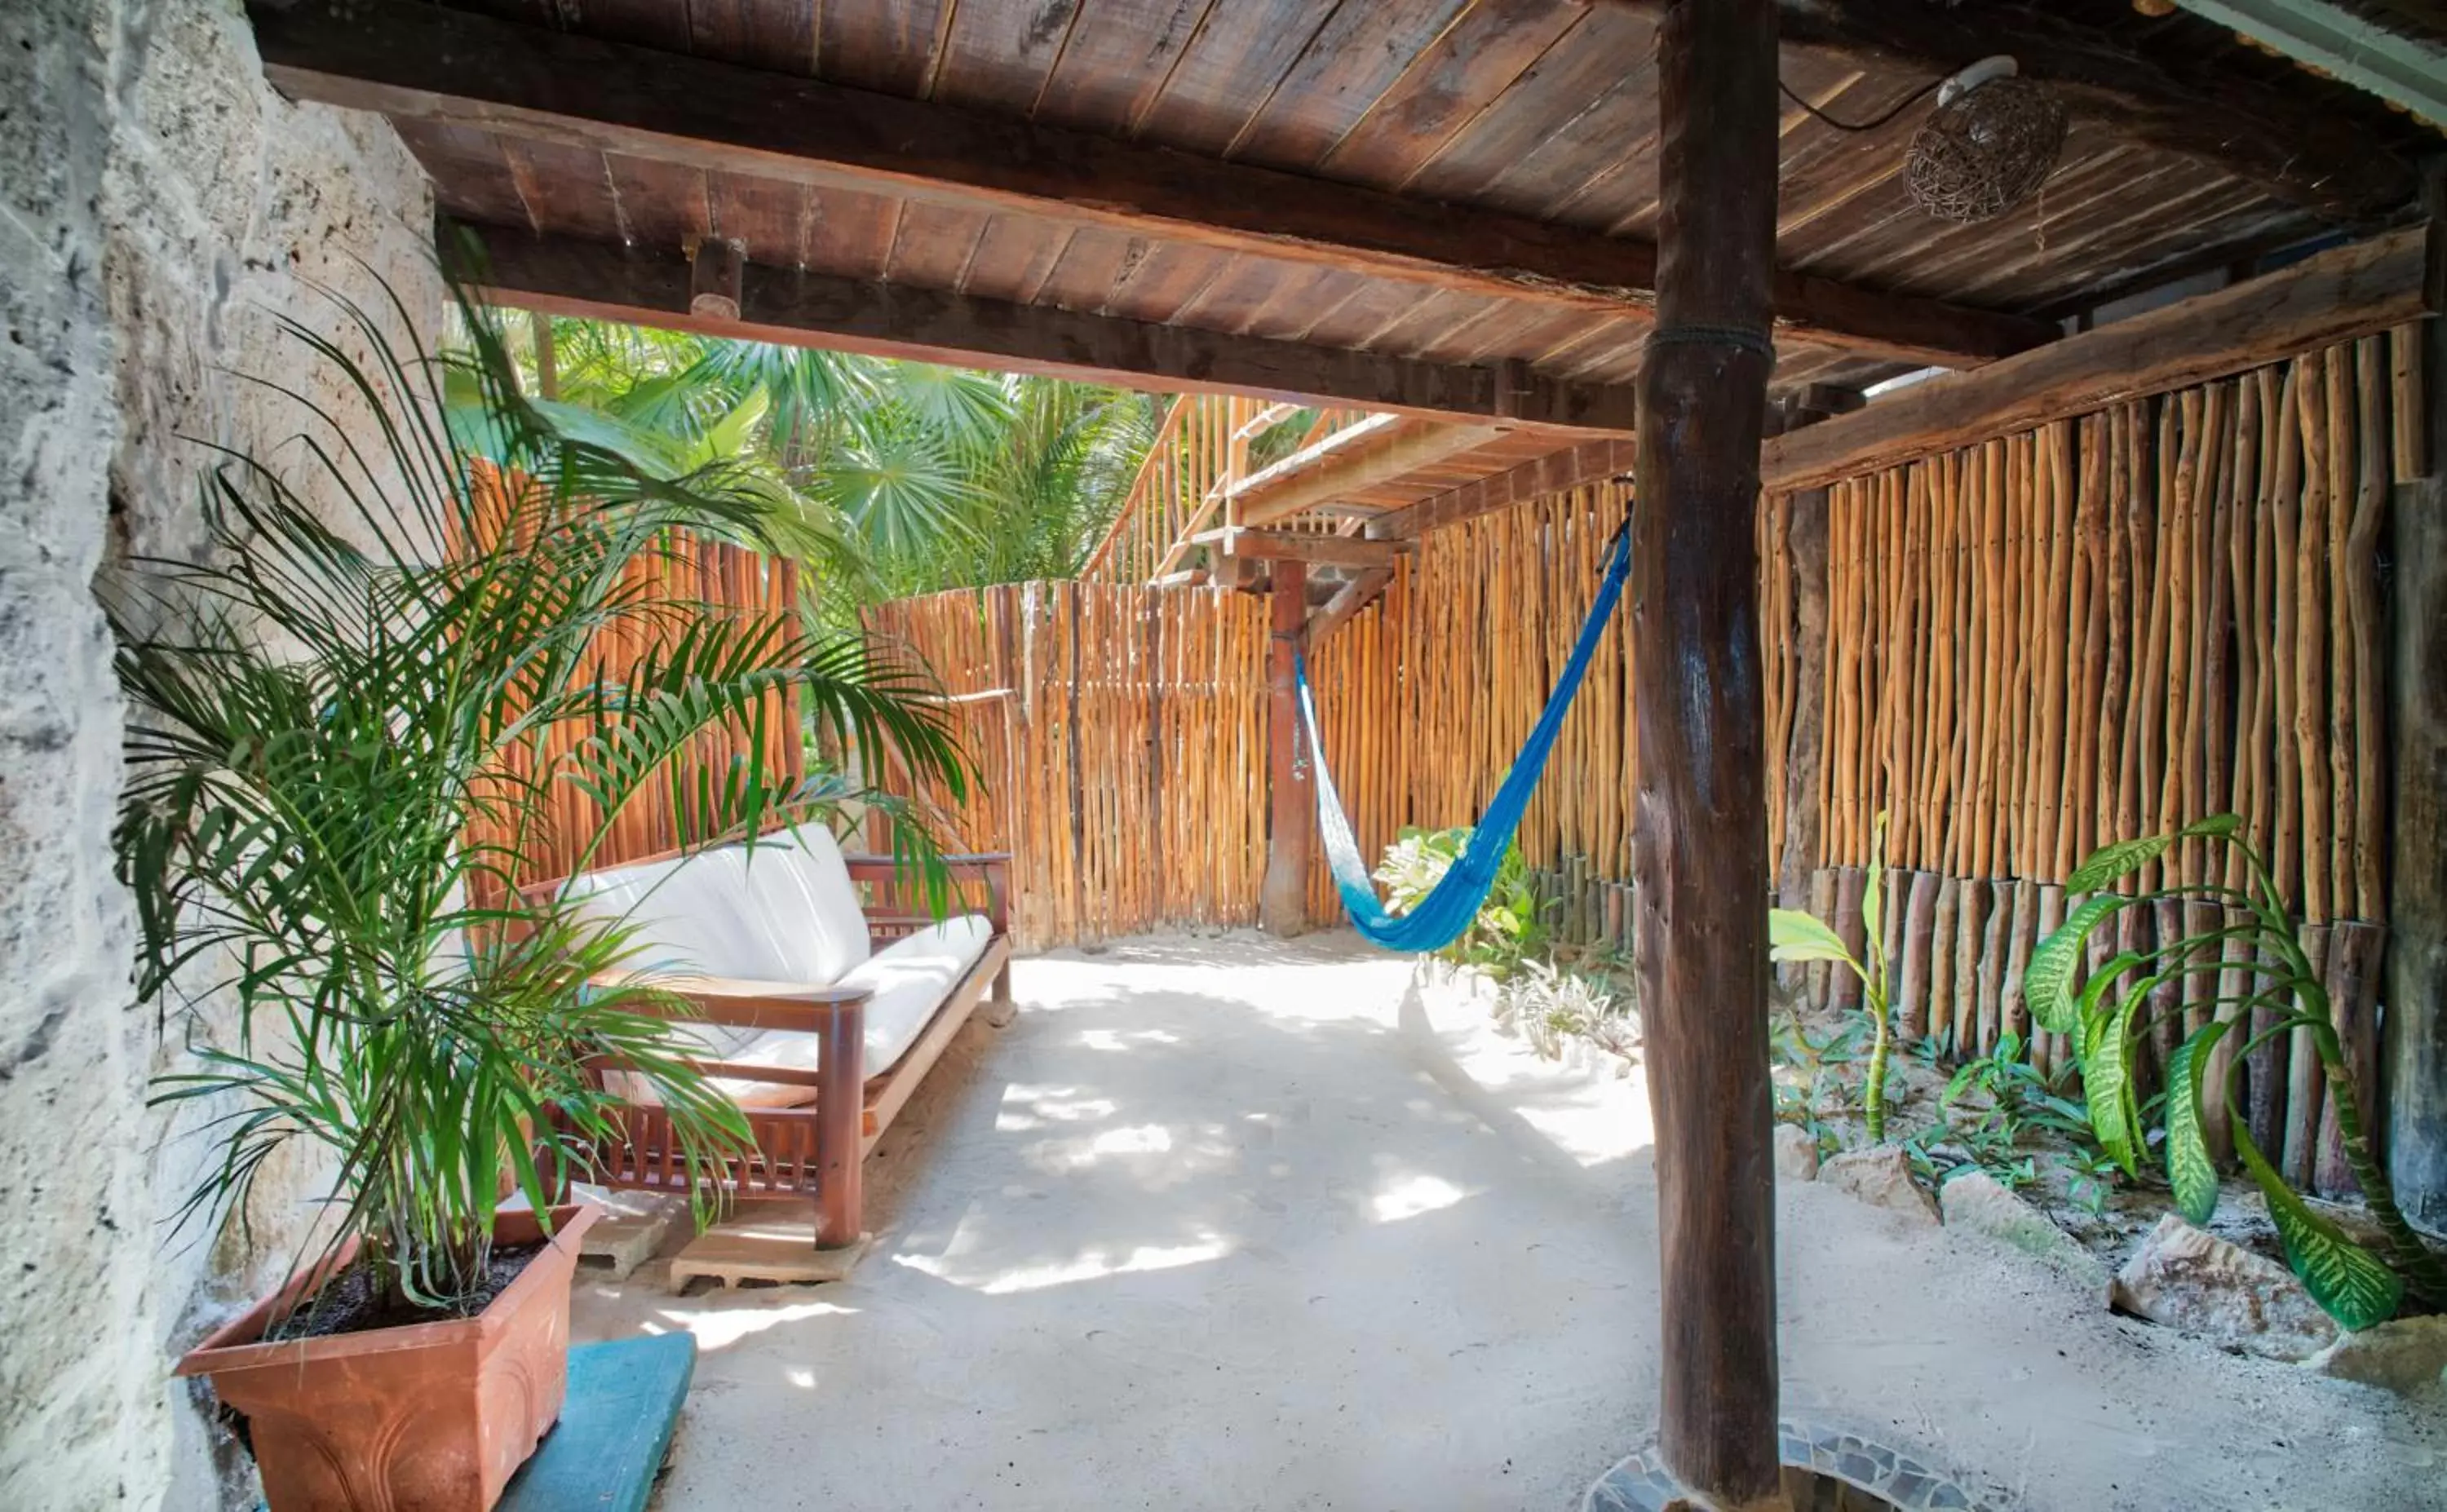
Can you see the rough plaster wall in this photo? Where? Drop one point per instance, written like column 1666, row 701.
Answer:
column 159, row 206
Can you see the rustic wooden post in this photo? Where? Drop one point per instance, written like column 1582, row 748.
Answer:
column 2413, row 1059
column 1282, row 900
column 1808, row 537
column 841, row 1128
column 1701, row 808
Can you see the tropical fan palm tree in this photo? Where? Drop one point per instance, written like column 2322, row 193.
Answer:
column 340, row 774
column 900, row 484
column 1064, row 467
column 939, row 477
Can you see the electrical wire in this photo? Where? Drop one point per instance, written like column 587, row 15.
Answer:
column 1901, row 106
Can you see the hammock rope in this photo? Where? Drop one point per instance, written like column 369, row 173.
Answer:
column 1440, row 917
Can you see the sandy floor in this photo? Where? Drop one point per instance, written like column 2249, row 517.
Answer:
column 1228, row 1223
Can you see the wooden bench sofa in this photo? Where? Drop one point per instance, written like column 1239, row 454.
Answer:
column 819, row 999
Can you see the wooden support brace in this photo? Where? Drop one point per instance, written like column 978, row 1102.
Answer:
column 1348, row 600
column 1285, row 545
column 716, row 268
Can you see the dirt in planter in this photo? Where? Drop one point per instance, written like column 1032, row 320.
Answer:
column 354, row 1301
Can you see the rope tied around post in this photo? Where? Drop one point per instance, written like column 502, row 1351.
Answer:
column 1742, row 339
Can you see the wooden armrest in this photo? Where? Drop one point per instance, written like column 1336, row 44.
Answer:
column 743, row 1002
column 992, row 867
column 967, row 862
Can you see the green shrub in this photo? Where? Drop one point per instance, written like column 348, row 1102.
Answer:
column 1510, row 928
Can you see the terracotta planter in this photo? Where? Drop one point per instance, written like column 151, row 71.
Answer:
column 432, row 1417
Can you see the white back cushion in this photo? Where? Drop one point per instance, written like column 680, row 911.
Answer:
column 801, row 890
column 785, row 912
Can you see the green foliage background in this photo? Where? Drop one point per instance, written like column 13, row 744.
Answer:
column 893, row 478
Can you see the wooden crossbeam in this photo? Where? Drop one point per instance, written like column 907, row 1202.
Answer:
column 571, row 277
column 2330, row 296
column 1290, row 545
column 426, row 62
column 2288, row 141
column 1265, row 420
column 1381, row 456
column 1362, row 432
column 1567, row 468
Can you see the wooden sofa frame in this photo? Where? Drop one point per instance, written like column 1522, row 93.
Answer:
column 816, row 1150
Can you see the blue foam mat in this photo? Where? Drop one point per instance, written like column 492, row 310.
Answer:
column 624, row 1402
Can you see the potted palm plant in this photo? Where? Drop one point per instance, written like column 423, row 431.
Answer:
column 353, row 727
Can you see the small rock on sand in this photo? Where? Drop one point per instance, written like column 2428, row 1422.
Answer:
column 1882, row 1177
column 2199, row 1283
column 1796, row 1153
column 2405, row 1355
column 1977, row 1203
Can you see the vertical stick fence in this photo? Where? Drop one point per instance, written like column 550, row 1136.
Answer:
column 2102, row 628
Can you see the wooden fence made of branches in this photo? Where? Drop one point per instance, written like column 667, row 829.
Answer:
column 2101, row 628
column 1119, row 734
column 684, row 574
column 2104, row 628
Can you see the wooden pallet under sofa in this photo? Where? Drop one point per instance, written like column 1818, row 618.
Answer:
column 804, row 969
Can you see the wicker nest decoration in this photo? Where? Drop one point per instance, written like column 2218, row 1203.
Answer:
column 1985, row 150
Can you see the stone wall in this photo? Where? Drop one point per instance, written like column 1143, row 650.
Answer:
column 159, row 209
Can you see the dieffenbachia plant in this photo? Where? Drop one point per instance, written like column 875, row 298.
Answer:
column 1793, row 937
column 2106, row 1021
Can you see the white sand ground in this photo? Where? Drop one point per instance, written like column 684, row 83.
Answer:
column 1228, row 1223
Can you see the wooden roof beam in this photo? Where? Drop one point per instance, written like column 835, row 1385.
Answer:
column 2289, row 141
column 1384, row 456
column 424, row 62
column 2357, row 47
column 1363, row 432
column 567, row 276
column 2330, row 296
column 1292, row 545
column 1558, row 471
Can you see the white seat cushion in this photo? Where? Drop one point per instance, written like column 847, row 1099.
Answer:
column 783, row 911
column 910, row 979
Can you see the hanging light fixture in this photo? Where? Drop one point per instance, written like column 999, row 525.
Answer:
column 1992, row 141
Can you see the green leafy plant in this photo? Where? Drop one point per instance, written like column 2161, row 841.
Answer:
column 901, row 478
column 354, row 715
column 1511, row 927
column 2106, row 1015
column 2016, row 1096
column 1550, row 1005
column 1994, row 1106
column 1795, row 936
column 1936, row 1149
column 1818, row 1087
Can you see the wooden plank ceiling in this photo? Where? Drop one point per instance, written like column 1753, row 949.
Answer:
column 1545, row 110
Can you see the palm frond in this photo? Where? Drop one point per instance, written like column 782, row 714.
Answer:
column 339, row 697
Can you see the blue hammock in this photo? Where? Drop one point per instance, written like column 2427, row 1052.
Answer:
column 1453, row 902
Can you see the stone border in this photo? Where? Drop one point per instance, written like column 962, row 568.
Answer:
column 1641, row 1484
